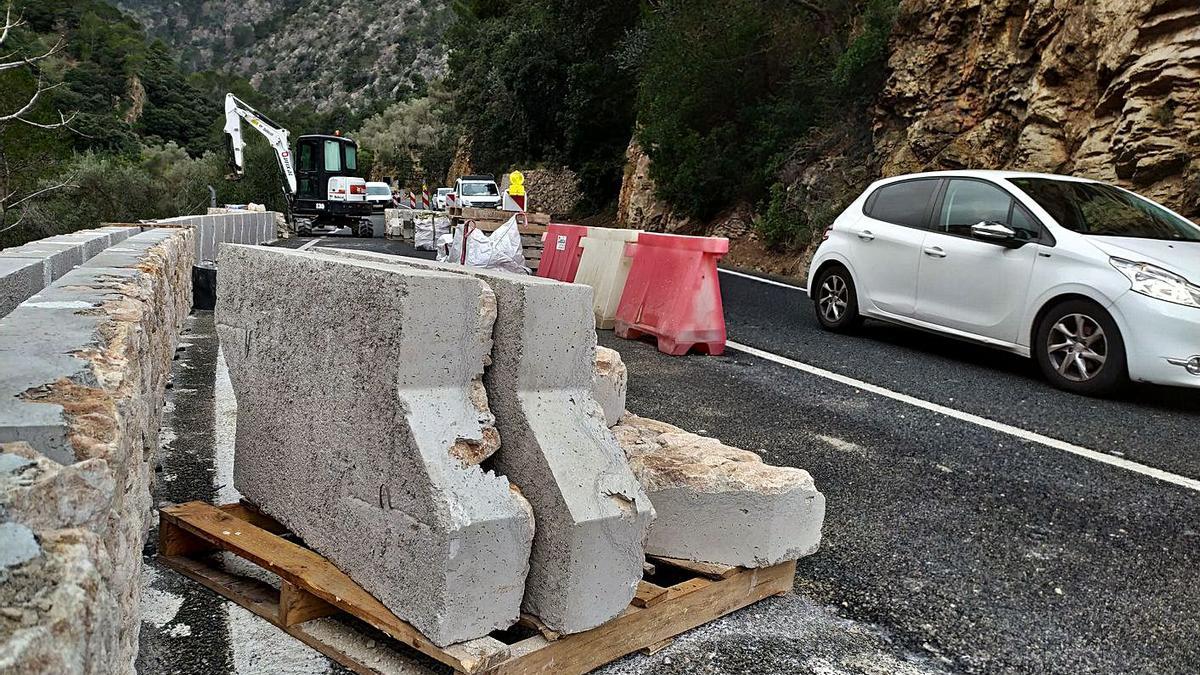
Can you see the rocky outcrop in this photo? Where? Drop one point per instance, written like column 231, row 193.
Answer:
column 551, row 190
column 1106, row 90
column 638, row 208
column 308, row 52
column 718, row 504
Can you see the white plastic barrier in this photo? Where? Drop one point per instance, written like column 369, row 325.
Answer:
column 605, row 267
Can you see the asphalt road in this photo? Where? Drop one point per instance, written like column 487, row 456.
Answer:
column 949, row 544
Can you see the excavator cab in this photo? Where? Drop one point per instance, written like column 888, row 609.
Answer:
column 328, row 185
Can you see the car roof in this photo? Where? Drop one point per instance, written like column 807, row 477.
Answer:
column 986, row 174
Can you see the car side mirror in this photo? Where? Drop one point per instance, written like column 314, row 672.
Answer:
column 997, row 233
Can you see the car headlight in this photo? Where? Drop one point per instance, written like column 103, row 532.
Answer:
column 1155, row 282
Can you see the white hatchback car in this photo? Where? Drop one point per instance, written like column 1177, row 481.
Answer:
column 1091, row 280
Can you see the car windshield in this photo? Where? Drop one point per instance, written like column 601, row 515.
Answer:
column 1104, row 210
column 479, row 189
column 378, row 191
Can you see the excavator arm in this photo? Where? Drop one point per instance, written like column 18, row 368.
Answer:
column 237, row 110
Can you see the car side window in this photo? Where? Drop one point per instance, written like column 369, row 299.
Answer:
column 903, row 203
column 970, row 202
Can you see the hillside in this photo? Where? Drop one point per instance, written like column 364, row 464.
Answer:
column 356, row 53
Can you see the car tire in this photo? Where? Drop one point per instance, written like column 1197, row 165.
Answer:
column 1079, row 349
column 365, row 229
column 835, row 300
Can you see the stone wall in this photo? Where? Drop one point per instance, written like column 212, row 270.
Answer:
column 84, row 367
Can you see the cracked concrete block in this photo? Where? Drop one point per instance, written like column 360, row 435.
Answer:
column 610, row 380
column 59, row 257
column 719, row 504
column 592, row 514
column 20, row 279
column 362, row 423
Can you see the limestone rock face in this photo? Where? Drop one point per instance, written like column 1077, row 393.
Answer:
column 362, row 422
column 552, row 190
column 1106, row 90
column 637, row 206
column 719, row 504
column 609, row 382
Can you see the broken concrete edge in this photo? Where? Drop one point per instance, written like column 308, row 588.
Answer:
column 720, row 504
column 103, row 340
column 380, row 469
column 592, row 513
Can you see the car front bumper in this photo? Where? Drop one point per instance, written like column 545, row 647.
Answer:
column 1161, row 338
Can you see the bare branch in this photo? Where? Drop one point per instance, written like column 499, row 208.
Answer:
column 8, row 65
column 16, row 223
column 9, row 24
column 64, row 121
column 18, row 115
column 37, row 193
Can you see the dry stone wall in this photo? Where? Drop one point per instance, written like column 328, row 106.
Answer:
column 85, row 364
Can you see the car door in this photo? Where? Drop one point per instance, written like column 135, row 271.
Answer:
column 886, row 244
column 972, row 285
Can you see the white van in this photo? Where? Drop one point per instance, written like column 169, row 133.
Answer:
column 480, row 192
column 379, row 196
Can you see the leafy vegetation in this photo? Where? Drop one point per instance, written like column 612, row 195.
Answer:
column 722, row 91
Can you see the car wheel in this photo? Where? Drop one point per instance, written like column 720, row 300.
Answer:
column 1079, row 349
column 836, row 300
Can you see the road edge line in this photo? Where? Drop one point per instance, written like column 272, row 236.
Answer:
column 1001, row 427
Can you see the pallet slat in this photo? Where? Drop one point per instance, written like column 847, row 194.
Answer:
column 308, row 570
column 311, row 588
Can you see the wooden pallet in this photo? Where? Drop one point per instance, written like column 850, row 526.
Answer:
column 313, row 598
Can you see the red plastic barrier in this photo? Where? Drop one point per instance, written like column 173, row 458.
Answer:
column 560, row 256
column 673, row 293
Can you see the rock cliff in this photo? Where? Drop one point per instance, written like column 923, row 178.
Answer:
column 322, row 54
column 1100, row 88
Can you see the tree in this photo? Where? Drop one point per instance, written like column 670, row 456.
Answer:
column 18, row 169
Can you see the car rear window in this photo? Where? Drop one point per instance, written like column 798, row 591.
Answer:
column 903, row 203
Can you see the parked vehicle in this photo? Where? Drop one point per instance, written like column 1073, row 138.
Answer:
column 440, row 199
column 1091, row 280
column 479, row 192
column 379, row 196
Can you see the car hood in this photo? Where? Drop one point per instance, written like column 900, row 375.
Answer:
column 1180, row 257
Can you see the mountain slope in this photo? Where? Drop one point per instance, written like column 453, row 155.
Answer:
column 322, row 53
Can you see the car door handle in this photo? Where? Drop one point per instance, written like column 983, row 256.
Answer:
column 935, row 252
column 866, row 235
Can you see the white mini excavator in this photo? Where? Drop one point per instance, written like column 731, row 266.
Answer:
column 322, row 185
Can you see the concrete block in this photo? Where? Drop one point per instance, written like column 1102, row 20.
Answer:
column 120, row 233
column 59, row 257
column 610, row 379
column 92, row 241
column 592, row 514
column 20, row 279
column 719, row 504
column 362, row 422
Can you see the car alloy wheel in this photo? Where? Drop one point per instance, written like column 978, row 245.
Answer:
column 1077, row 347
column 835, row 296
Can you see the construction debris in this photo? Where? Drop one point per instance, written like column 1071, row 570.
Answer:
column 591, row 513
column 362, row 422
column 609, row 382
column 719, row 504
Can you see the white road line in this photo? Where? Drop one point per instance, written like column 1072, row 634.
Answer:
column 1001, row 427
column 310, row 244
column 722, row 270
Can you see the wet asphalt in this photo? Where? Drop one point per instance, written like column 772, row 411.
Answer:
column 947, row 546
